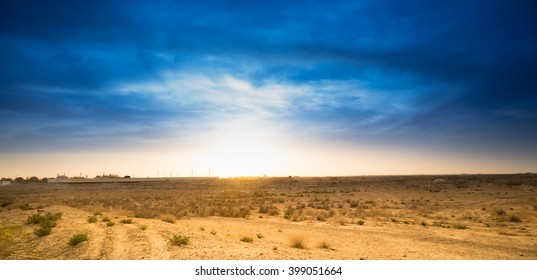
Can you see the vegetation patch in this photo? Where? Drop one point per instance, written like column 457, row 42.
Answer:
column 179, row 240
column 168, row 219
column 110, row 224
column 324, row 245
column 297, row 242
column 126, row 221
column 247, row 239
column 515, row 219
column 46, row 222
column 78, row 238
column 92, row 219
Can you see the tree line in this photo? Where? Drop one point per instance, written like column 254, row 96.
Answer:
column 20, row 180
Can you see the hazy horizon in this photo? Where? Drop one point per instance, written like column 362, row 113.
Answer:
column 252, row 88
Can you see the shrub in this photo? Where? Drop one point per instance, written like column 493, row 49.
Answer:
column 42, row 231
column 515, row 219
column 92, row 219
column 324, row 245
column 501, row 212
column 460, row 226
column 53, row 217
column 5, row 203
column 361, row 222
column 213, row 232
column 126, row 221
column 168, row 219
column 424, row 223
column 179, row 240
column 394, row 220
column 105, row 219
column 35, row 219
column 142, row 227
column 48, row 223
column 260, row 235
column 247, row 239
column 78, row 238
column 297, row 242
column 25, row 207
column 110, row 224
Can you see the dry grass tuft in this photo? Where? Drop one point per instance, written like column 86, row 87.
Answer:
column 324, row 245
column 168, row 219
column 297, row 242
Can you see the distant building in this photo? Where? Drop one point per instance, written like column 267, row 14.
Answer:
column 58, row 179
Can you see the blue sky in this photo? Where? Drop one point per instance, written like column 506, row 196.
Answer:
column 267, row 87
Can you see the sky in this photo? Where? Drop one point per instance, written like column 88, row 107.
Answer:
column 276, row 88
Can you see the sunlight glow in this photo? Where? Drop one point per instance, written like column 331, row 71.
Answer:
column 239, row 151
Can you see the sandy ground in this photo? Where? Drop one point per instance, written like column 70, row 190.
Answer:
column 388, row 232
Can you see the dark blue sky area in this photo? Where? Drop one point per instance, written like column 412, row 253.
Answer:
column 446, row 75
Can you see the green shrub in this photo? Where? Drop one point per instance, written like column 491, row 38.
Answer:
column 92, row 219
column 126, row 221
column 105, row 219
column 78, row 238
column 110, row 224
column 42, row 231
column 142, row 227
column 179, row 240
column 361, row 222
column 35, row 219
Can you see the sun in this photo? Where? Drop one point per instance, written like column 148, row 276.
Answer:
column 242, row 153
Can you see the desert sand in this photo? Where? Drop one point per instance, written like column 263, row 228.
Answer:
column 321, row 218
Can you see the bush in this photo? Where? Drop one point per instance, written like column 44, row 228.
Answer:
column 179, row 240
column 247, row 239
column 5, row 203
column 168, row 219
column 35, row 219
column 213, row 232
column 324, row 245
column 78, row 238
column 460, row 226
column 297, row 242
column 110, row 224
column 515, row 219
column 142, row 227
column 42, row 231
column 126, row 221
column 260, row 235
column 25, row 207
column 105, row 219
column 361, row 222
column 92, row 219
